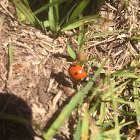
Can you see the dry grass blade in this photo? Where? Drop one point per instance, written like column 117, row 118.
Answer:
column 85, row 124
column 10, row 47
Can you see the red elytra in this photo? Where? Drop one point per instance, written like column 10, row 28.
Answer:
column 77, row 73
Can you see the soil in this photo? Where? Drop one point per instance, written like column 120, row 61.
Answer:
column 39, row 77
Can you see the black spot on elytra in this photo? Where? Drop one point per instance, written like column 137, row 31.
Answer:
column 75, row 73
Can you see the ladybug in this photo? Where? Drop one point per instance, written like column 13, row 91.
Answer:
column 77, row 73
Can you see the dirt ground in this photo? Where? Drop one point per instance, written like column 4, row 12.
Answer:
column 40, row 63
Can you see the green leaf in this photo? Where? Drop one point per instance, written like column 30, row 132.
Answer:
column 71, row 53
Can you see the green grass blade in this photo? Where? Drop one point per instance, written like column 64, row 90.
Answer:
column 22, row 8
column 68, row 109
column 80, row 42
column 27, row 4
column 56, row 11
column 21, row 17
column 105, row 32
column 102, row 114
column 17, row 119
column 66, row 17
column 78, row 22
column 71, row 53
column 79, row 9
column 114, row 104
column 95, row 92
column 125, row 74
column 135, row 38
column 93, row 109
column 125, row 124
column 106, row 125
column 47, row 6
column 78, row 130
column 14, row 118
column 136, row 100
column 52, row 17
column 122, row 85
column 81, row 38
column 121, row 100
column 109, row 32
column 110, row 137
column 126, row 113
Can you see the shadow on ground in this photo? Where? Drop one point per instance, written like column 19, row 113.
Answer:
column 13, row 130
